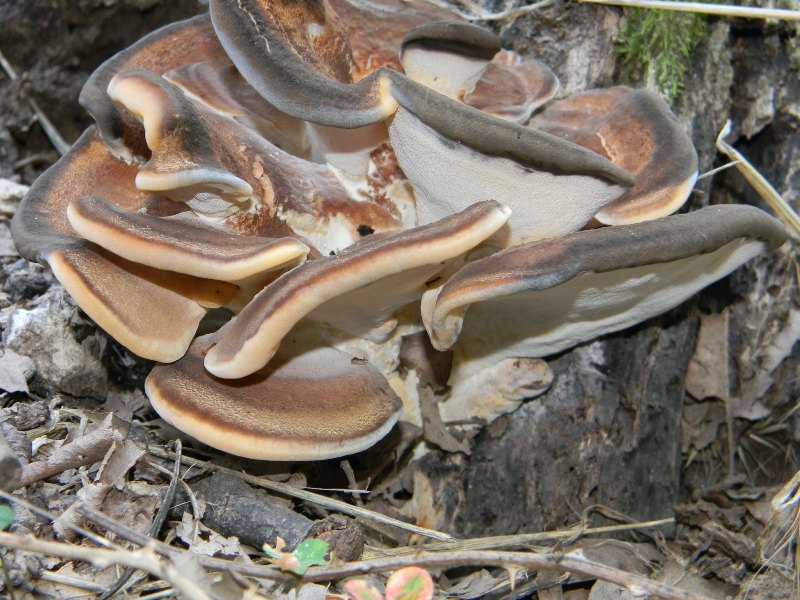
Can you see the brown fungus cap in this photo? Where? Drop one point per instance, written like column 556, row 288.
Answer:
column 220, row 167
column 219, row 86
column 375, row 30
column 182, row 245
column 154, row 313
column 183, row 162
column 541, row 298
column 456, row 37
column 310, row 404
column 296, row 55
column 295, row 197
column 455, row 155
column 511, row 87
column 172, row 46
column 636, row 130
column 151, row 312
column 353, row 290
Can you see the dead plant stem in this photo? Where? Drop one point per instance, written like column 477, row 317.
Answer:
column 158, row 522
column 100, row 541
column 706, row 8
column 521, row 539
column 288, row 490
column 249, row 570
column 58, row 142
column 144, row 559
column 573, row 562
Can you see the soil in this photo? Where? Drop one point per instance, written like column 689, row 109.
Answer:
column 628, row 427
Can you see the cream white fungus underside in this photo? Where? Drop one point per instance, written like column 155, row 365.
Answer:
column 543, row 323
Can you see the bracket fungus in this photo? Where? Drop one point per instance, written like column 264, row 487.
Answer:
column 341, row 189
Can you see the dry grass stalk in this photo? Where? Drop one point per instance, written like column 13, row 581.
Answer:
column 763, row 187
column 517, row 540
column 144, row 559
column 723, row 10
column 302, row 494
column 473, row 11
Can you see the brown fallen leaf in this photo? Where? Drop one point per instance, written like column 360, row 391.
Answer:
column 15, row 370
column 120, row 458
column 92, row 496
column 700, row 424
column 210, row 543
column 708, row 375
column 433, row 429
column 85, row 450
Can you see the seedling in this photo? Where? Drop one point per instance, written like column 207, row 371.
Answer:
column 309, row 553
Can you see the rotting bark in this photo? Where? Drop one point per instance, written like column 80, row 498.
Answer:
column 608, row 431
column 235, row 508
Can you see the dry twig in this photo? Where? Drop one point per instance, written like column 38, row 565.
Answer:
column 189, row 493
column 100, row 541
column 158, row 522
column 520, row 539
column 144, row 559
column 131, row 535
column 763, row 187
column 723, row 10
column 574, row 562
column 301, row 494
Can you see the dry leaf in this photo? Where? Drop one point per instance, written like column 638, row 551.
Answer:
column 434, row 430
column 15, row 370
column 707, row 375
column 678, row 576
column 91, row 496
column 603, row 590
column 134, row 504
column 119, row 460
column 126, row 403
column 87, row 449
column 701, row 421
column 475, row 585
column 209, row 542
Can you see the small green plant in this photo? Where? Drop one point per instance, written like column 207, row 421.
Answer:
column 309, row 553
column 6, row 518
column 661, row 41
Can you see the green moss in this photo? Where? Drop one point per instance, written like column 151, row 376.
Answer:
column 662, row 42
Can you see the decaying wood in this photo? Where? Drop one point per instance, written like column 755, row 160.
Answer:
column 301, row 494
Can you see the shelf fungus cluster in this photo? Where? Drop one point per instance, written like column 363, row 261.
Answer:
column 347, row 178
